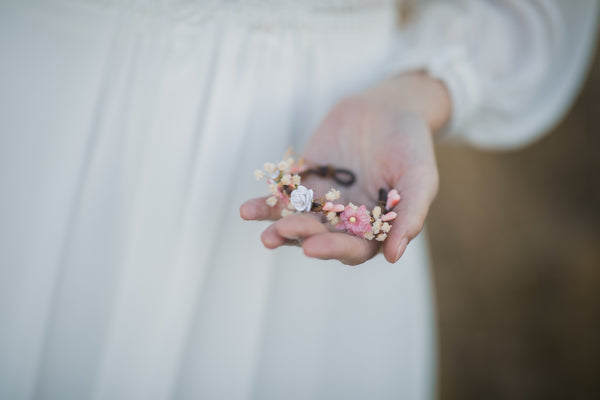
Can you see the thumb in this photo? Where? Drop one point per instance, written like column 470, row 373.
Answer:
column 257, row 210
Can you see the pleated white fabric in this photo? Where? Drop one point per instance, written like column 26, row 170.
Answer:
column 130, row 134
column 129, row 131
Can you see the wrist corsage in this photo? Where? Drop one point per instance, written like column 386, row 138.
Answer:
column 284, row 181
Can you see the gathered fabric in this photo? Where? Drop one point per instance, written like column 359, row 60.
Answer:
column 128, row 138
column 127, row 272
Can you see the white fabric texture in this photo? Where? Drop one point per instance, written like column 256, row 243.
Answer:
column 128, row 135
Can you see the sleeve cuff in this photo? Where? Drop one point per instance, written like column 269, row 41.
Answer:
column 452, row 68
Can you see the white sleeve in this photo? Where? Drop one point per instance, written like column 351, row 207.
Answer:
column 512, row 67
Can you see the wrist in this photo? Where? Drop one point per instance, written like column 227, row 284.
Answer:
column 415, row 92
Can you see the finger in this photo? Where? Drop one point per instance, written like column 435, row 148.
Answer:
column 271, row 238
column 291, row 230
column 299, row 226
column 348, row 249
column 411, row 213
column 258, row 210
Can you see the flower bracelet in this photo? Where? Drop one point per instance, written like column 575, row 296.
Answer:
column 284, row 183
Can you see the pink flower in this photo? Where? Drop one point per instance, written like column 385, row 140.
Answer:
column 389, row 216
column 337, row 208
column 328, row 206
column 393, row 198
column 298, row 169
column 357, row 222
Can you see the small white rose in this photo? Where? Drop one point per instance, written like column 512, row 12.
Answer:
column 302, row 198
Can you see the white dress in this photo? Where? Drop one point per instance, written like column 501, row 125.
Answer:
column 129, row 131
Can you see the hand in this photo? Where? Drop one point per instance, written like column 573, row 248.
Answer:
column 387, row 142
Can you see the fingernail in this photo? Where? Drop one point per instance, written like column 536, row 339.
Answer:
column 401, row 249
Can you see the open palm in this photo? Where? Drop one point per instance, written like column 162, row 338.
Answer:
column 385, row 149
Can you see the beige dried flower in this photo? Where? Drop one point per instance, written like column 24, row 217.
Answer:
column 377, row 212
column 269, row 167
column 296, row 180
column 286, row 213
column 333, row 194
column 376, row 226
column 381, row 237
column 369, row 235
column 386, row 227
column 331, row 215
column 273, row 188
column 283, row 166
column 271, row 201
column 286, row 179
column 258, row 174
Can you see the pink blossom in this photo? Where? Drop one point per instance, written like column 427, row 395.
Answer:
column 338, row 208
column 298, row 169
column 281, row 195
column 356, row 222
column 389, row 216
column 392, row 199
column 328, row 206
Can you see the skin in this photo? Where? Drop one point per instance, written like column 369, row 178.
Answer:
column 385, row 135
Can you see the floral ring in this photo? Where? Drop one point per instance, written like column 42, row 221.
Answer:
column 296, row 242
column 284, row 183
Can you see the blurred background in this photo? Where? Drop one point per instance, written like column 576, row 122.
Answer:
column 515, row 238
